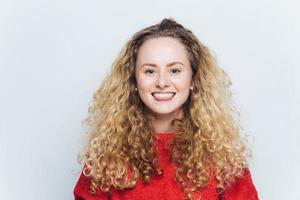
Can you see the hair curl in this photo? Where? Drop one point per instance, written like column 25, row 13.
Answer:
column 208, row 141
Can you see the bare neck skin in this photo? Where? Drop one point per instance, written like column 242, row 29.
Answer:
column 162, row 122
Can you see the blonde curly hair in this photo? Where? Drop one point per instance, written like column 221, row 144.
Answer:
column 208, row 139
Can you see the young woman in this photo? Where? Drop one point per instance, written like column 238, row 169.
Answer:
column 162, row 125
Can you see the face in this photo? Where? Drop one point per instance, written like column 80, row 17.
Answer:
column 163, row 74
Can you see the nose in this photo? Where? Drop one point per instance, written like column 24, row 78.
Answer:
column 162, row 80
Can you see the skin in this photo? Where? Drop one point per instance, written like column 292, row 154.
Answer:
column 163, row 66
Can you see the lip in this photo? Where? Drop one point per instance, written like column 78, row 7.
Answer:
column 163, row 98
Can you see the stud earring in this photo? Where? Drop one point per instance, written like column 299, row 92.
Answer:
column 135, row 89
column 191, row 88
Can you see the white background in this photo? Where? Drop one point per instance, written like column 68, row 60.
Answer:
column 54, row 54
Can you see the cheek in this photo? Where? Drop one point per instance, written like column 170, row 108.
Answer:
column 144, row 84
column 183, row 83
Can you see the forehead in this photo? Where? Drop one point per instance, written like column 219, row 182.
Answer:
column 162, row 49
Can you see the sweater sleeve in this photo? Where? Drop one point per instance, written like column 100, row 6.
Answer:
column 81, row 190
column 242, row 188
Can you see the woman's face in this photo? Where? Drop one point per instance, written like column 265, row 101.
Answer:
column 163, row 74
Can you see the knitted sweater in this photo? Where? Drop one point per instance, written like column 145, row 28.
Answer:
column 165, row 187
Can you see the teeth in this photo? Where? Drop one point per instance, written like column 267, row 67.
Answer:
column 163, row 94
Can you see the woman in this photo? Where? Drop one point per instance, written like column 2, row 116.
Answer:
column 162, row 125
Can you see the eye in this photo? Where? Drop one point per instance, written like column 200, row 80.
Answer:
column 149, row 71
column 175, row 71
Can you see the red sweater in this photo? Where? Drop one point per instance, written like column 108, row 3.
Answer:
column 165, row 187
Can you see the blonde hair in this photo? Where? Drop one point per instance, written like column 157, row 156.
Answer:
column 208, row 139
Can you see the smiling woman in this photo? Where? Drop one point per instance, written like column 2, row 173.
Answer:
column 162, row 125
column 164, row 84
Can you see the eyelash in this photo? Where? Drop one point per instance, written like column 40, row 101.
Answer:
column 152, row 71
column 148, row 70
column 178, row 71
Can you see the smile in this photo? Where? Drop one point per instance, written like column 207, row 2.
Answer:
column 163, row 96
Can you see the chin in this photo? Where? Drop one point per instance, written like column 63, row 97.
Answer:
column 163, row 112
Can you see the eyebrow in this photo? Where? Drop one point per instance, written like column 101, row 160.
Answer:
column 168, row 65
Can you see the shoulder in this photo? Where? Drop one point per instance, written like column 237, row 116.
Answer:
column 241, row 188
column 82, row 187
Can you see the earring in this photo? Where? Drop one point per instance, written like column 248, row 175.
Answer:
column 191, row 88
column 135, row 89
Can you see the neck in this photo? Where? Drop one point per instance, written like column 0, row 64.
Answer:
column 162, row 122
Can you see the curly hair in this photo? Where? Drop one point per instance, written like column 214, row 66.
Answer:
column 208, row 141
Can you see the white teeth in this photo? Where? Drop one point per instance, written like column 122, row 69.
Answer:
column 163, row 94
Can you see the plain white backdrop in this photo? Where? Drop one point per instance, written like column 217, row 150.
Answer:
column 54, row 54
